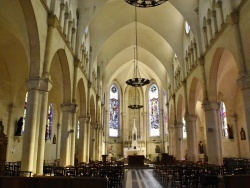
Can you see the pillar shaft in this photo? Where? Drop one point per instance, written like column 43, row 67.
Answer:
column 214, row 150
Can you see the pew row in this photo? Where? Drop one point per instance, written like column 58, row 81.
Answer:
column 52, row 182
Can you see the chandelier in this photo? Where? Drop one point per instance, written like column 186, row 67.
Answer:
column 137, row 81
column 145, row 3
column 135, row 106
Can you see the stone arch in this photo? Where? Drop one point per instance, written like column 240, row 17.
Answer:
column 81, row 97
column 34, row 41
column 195, row 94
column 60, row 59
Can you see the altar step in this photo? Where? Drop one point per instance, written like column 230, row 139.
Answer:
column 145, row 166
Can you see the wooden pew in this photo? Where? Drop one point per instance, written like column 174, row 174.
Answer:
column 52, row 182
column 241, row 181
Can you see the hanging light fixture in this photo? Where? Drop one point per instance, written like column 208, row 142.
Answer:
column 145, row 3
column 135, row 106
column 137, row 81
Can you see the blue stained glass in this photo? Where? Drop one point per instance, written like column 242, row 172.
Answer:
column 223, row 115
column 154, row 111
column 114, row 120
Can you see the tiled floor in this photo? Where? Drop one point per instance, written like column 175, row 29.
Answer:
column 140, row 178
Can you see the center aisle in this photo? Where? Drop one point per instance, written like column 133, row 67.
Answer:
column 140, row 178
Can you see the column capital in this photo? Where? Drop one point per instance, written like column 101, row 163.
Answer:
column 190, row 117
column 244, row 82
column 210, row 105
column 201, row 61
column 77, row 62
column 66, row 15
column 214, row 13
column 70, row 23
column 46, row 84
column 209, row 21
column 89, row 84
column 178, row 125
column 71, row 107
column 85, row 119
column 204, row 28
column 219, row 4
column 62, row 6
column 34, row 83
column 53, row 21
column 233, row 18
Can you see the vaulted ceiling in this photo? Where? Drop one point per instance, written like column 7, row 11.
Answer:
column 111, row 24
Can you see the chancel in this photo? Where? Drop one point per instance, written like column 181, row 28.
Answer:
column 132, row 90
column 135, row 145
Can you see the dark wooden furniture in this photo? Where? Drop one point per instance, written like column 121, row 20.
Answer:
column 136, row 160
column 52, row 182
column 3, row 148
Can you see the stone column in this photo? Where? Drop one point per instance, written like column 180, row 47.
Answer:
column 195, row 52
column 81, row 140
column 244, row 84
column 52, row 23
column 236, row 134
column 10, row 130
column 204, row 81
column 145, row 130
column 62, row 12
column 97, row 156
column 233, row 20
column 87, row 139
column 204, row 29
column 29, row 135
column 210, row 30
column 65, row 25
column 214, row 150
column 69, row 32
column 187, row 65
column 172, row 140
column 65, row 135
column 73, row 132
column 179, row 140
column 73, row 36
column 192, row 144
column 192, row 57
column 92, row 141
column 46, row 85
column 215, row 21
column 219, row 6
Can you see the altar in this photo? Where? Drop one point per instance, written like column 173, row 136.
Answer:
column 136, row 160
column 134, row 145
column 130, row 151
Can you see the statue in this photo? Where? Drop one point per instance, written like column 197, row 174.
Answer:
column 19, row 127
column 54, row 139
column 230, row 132
column 242, row 134
column 201, row 147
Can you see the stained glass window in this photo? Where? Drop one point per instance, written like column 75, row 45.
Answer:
column 49, row 122
column 154, row 124
column 187, row 27
column 114, row 112
column 223, row 115
column 184, row 130
column 24, row 112
column 78, row 130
